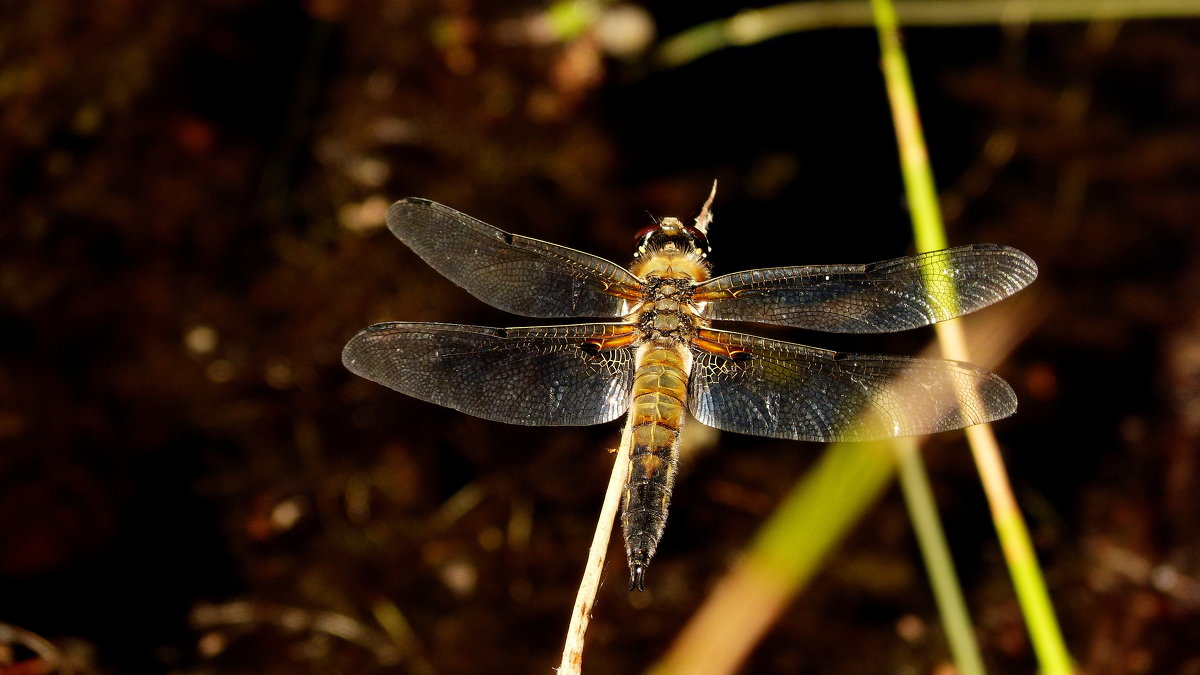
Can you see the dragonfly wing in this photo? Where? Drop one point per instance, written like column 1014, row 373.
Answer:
column 538, row 376
column 877, row 298
column 784, row 390
column 514, row 273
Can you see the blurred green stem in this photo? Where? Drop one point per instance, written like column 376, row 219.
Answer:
column 784, row 556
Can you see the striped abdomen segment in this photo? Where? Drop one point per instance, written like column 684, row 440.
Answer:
column 656, row 418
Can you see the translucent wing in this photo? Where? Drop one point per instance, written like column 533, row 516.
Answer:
column 514, row 273
column 539, row 376
column 877, row 298
column 784, row 390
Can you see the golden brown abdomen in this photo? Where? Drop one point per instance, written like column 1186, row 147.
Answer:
column 656, row 418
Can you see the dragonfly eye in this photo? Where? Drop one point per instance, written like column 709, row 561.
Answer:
column 643, row 234
column 698, row 238
column 678, row 238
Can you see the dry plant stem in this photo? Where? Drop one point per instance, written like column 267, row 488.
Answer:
column 239, row 614
column 46, row 651
column 572, row 658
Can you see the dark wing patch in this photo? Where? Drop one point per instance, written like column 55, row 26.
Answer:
column 538, row 376
column 876, row 298
column 514, row 273
column 785, row 390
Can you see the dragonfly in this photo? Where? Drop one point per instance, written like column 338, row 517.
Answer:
column 659, row 354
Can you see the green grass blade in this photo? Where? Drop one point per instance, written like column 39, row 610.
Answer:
column 930, row 236
column 1030, row 586
column 783, row 557
column 756, row 25
column 931, row 537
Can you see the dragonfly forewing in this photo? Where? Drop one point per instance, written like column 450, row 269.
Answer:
column 879, row 297
column 516, row 274
column 538, row 376
column 786, row 390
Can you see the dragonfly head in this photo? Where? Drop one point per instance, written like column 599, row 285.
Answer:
column 670, row 236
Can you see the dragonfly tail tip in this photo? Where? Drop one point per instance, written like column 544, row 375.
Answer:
column 637, row 577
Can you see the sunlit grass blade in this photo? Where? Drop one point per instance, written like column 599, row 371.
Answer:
column 789, row 549
column 784, row 556
column 917, row 495
column 756, row 25
column 929, row 233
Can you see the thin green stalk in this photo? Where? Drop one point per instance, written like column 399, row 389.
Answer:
column 929, row 236
column 1030, row 586
column 756, row 25
column 787, row 553
column 918, row 496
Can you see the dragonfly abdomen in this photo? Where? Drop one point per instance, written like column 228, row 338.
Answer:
column 656, row 418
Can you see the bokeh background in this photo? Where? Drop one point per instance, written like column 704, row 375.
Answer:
column 191, row 226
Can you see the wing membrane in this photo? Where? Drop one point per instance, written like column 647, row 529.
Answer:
column 539, row 376
column 877, row 298
column 514, row 273
column 786, row 390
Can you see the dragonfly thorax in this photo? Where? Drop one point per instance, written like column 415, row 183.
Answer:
column 666, row 314
column 687, row 266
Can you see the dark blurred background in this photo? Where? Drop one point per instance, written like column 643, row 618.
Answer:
column 191, row 227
